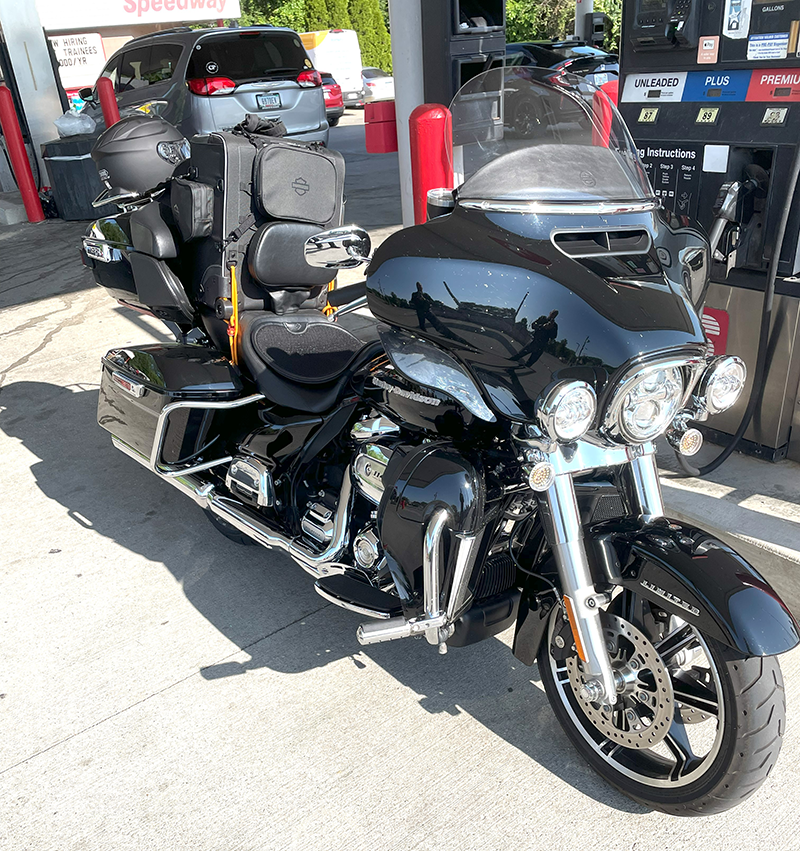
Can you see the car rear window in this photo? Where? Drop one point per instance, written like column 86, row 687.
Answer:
column 247, row 56
column 372, row 73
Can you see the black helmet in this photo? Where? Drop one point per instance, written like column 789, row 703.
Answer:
column 137, row 153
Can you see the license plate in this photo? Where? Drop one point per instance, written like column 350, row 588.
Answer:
column 98, row 251
column 351, row 97
column 268, row 101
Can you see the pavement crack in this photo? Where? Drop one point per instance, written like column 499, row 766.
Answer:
column 161, row 690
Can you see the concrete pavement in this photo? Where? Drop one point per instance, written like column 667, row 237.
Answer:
column 162, row 688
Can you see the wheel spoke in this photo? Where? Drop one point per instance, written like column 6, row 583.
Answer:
column 676, row 641
column 695, row 695
column 680, row 747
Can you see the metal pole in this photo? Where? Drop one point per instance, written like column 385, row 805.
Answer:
column 582, row 9
column 19, row 157
column 405, row 17
column 33, row 72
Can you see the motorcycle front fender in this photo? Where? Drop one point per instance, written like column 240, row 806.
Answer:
column 691, row 574
column 686, row 572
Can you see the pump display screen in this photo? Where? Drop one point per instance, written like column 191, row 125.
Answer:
column 651, row 5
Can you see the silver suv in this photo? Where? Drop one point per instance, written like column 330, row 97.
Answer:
column 206, row 80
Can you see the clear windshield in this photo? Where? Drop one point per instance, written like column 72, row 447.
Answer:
column 531, row 134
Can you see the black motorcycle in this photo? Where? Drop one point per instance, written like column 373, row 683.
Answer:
column 479, row 453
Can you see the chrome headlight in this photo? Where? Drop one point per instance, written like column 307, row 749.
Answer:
column 646, row 403
column 722, row 383
column 568, row 410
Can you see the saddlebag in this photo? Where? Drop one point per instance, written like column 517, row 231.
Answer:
column 138, row 383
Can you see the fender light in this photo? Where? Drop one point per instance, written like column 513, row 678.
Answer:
column 309, row 79
column 209, row 86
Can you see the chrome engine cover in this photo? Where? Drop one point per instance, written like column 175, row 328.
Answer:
column 369, row 465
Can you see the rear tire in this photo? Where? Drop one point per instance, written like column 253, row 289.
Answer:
column 230, row 532
column 332, row 122
column 747, row 728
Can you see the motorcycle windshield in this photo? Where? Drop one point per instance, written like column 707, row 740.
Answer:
column 528, row 136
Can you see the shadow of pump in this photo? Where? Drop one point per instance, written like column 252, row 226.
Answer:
column 249, row 594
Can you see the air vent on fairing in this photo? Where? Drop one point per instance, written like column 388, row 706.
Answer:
column 596, row 243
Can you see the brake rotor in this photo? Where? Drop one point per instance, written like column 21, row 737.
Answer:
column 645, row 706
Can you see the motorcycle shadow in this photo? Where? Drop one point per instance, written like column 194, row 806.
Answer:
column 252, row 596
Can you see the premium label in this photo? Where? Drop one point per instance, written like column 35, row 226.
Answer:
column 774, row 85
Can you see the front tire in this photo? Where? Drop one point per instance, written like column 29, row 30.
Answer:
column 734, row 705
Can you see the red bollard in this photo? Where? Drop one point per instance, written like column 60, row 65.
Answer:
column 430, row 129
column 19, row 157
column 108, row 101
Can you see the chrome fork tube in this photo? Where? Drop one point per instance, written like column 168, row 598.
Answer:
column 578, row 587
column 646, row 486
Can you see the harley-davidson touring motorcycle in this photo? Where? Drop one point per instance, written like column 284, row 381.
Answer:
column 477, row 453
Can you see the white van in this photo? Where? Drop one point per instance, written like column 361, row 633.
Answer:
column 337, row 52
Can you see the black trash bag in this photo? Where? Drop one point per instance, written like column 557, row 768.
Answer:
column 261, row 126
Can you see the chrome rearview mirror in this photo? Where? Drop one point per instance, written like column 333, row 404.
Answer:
column 339, row 248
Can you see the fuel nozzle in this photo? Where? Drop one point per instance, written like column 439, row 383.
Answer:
column 724, row 212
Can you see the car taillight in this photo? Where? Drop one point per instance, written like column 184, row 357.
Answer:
column 371, row 85
column 211, row 85
column 309, row 79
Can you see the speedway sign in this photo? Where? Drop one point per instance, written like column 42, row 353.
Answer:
column 91, row 14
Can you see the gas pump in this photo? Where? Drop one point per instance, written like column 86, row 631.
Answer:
column 711, row 94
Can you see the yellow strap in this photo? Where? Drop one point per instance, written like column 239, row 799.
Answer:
column 329, row 309
column 233, row 323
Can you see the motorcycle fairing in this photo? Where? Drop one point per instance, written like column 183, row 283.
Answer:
column 493, row 289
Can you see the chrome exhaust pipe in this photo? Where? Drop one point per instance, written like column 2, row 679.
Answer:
column 238, row 515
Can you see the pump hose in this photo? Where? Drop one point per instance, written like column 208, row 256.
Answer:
column 763, row 341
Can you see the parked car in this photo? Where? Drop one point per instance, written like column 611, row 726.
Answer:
column 206, row 80
column 334, row 103
column 597, row 66
column 378, row 85
column 338, row 51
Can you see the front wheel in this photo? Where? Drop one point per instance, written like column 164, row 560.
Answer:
column 696, row 728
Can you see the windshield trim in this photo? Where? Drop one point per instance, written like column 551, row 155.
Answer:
column 604, row 208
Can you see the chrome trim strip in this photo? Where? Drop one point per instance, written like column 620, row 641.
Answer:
column 601, row 208
column 351, row 607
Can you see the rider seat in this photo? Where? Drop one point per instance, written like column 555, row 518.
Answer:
column 304, row 361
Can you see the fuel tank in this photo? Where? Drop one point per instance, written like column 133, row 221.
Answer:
column 525, row 299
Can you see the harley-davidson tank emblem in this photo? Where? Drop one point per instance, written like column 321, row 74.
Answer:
column 406, row 394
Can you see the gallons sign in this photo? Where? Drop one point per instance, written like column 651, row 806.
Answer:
column 60, row 15
column 80, row 58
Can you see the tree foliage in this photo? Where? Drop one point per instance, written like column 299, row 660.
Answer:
column 364, row 16
column 368, row 22
column 531, row 20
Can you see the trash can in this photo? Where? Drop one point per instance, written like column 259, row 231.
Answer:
column 380, row 127
column 73, row 178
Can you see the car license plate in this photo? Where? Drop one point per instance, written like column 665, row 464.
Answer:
column 351, row 96
column 268, row 101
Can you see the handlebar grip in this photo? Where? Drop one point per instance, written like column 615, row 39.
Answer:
column 338, row 297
